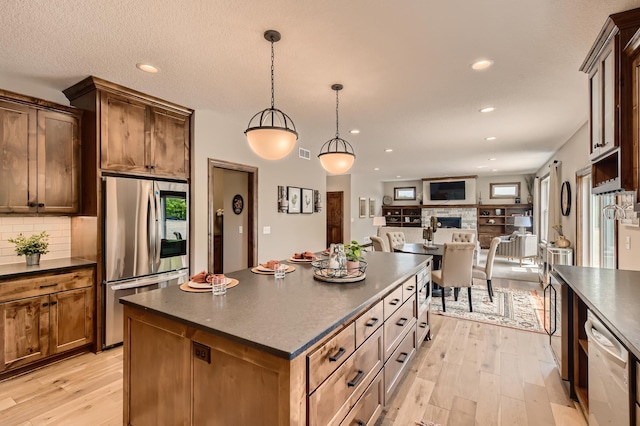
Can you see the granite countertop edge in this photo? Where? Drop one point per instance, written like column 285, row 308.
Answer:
column 593, row 306
column 299, row 349
column 13, row 270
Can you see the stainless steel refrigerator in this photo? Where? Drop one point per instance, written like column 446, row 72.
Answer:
column 146, row 242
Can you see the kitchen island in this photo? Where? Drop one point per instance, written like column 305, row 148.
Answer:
column 613, row 296
column 275, row 352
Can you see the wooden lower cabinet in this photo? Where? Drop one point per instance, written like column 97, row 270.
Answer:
column 369, row 406
column 45, row 315
column 396, row 365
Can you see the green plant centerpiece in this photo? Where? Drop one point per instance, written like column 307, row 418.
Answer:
column 31, row 247
column 353, row 252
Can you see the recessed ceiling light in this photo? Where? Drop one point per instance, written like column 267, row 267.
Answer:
column 481, row 167
column 490, row 138
column 494, row 170
column 354, row 131
column 147, row 68
column 388, row 150
column 482, row 64
column 376, row 168
column 398, row 176
column 492, row 159
column 487, row 109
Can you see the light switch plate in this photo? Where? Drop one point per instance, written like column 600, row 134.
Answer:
column 240, row 229
column 266, row 230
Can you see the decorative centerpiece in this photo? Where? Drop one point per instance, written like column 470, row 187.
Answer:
column 561, row 241
column 31, row 247
column 353, row 252
column 343, row 266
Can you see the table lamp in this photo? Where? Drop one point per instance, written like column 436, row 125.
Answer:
column 379, row 221
column 522, row 222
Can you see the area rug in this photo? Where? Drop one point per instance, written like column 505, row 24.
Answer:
column 510, row 308
column 505, row 268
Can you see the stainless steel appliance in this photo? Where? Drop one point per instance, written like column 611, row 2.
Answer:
column 557, row 308
column 146, row 242
column 608, row 376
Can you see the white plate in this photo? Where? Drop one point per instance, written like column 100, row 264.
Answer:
column 263, row 269
column 191, row 284
column 291, row 259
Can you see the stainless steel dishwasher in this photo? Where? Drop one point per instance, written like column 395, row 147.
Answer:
column 608, row 376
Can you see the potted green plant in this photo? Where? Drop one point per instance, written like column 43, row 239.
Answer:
column 32, row 247
column 353, row 252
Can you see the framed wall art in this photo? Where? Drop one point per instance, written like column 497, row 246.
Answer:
column 307, row 200
column 293, row 195
column 372, row 207
column 362, row 207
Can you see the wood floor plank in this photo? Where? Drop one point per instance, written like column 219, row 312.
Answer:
column 567, row 416
column 513, row 412
column 463, row 412
column 432, row 363
column 436, row 415
column 557, row 389
column 444, row 392
column 510, row 376
column 468, row 382
column 530, row 370
column 488, row 410
column 538, row 406
column 490, row 353
column 457, row 346
column 415, row 403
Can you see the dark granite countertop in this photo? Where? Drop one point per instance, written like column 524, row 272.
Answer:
column 13, row 270
column 613, row 295
column 283, row 318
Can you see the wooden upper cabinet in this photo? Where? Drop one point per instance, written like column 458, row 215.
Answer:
column 138, row 133
column 40, row 143
column 610, row 104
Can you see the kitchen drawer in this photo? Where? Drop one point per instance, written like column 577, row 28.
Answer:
column 324, row 360
column 409, row 288
column 39, row 285
column 333, row 400
column 392, row 302
column 394, row 327
column 368, row 323
column 397, row 363
column 422, row 327
column 368, row 408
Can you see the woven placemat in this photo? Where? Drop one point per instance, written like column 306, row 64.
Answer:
column 185, row 287
column 290, row 268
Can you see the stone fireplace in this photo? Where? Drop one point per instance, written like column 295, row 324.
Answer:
column 450, row 222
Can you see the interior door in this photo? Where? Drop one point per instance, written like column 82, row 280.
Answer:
column 335, row 217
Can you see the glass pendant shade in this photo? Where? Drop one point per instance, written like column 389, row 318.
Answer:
column 336, row 156
column 271, row 133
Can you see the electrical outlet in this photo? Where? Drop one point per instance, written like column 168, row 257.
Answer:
column 202, row 352
column 240, row 229
column 628, row 242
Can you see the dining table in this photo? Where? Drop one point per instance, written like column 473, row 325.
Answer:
column 435, row 250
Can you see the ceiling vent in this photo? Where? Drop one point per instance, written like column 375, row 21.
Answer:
column 304, row 153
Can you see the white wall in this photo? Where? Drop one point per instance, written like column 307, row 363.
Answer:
column 219, row 136
column 574, row 155
column 483, row 187
column 58, row 228
column 235, row 243
column 365, row 187
column 341, row 183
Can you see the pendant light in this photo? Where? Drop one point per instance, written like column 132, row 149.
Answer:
column 271, row 133
column 336, row 155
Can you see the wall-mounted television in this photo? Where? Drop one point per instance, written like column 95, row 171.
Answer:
column 447, row 190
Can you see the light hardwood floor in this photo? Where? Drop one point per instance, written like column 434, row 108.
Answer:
column 468, row 374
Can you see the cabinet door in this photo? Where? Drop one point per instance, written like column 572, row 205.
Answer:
column 24, row 331
column 595, row 112
column 170, row 144
column 125, row 135
column 18, row 148
column 58, row 162
column 71, row 319
column 608, row 102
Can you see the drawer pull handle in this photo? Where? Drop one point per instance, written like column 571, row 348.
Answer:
column 423, row 325
column 402, row 322
column 54, row 303
column 356, row 379
column 394, row 302
column 371, row 322
column 48, row 285
column 40, row 204
column 337, row 356
column 410, row 288
column 45, row 304
column 360, row 422
column 404, row 357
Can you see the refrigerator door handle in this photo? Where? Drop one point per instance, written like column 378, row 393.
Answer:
column 143, row 282
column 151, row 228
column 158, row 215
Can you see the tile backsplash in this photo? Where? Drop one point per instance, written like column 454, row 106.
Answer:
column 58, row 228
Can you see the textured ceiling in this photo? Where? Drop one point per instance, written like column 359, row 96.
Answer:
column 404, row 65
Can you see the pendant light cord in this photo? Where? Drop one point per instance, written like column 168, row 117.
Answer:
column 272, row 59
column 337, row 119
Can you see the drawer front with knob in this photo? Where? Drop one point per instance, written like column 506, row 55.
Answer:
column 409, row 288
column 394, row 327
column 392, row 302
column 368, row 323
column 331, row 402
column 328, row 357
column 45, row 284
column 398, row 361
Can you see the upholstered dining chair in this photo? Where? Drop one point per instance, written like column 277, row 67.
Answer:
column 485, row 272
column 379, row 244
column 463, row 237
column 395, row 239
column 457, row 264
